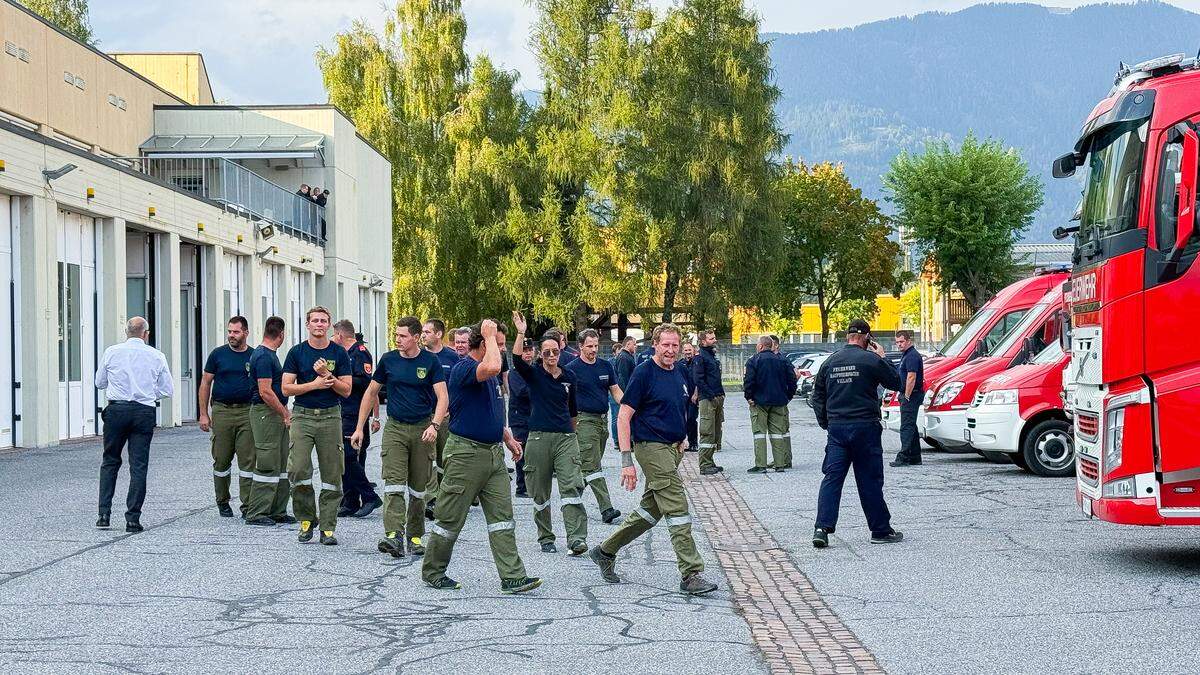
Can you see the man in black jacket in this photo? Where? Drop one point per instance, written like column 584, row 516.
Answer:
column 846, row 404
column 769, row 385
column 710, row 395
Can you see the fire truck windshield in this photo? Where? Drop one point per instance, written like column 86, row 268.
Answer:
column 1051, row 354
column 1110, row 193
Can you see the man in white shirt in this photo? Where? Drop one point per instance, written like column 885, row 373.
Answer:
column 134, row 375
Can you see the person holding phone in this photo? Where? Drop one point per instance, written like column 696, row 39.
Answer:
column 845, row 402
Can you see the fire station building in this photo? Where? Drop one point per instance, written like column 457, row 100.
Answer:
column 125, row 190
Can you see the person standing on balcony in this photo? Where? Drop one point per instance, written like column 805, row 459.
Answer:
column 317, row 373
column 226, row 382
column 710, row 395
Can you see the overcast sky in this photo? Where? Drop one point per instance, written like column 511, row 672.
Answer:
column 261, row 51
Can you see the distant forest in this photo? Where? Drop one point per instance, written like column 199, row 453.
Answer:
column 1025, row 74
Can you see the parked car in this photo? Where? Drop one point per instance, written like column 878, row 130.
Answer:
column 806, row 371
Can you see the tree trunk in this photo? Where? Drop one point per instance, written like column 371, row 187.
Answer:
column 824, row 315
column 670, row 288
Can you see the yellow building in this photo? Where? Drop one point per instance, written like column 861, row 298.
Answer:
column 747, row 325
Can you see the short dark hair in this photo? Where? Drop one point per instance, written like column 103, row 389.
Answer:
column 588, row 333
column 273, row 328
column 905, row 333
column 344, row 327
column 412, row 323
column 553, row 333
column 628, row 339
column 708, row 331
column 438, row 325
column 501, row 328
column 241, row 321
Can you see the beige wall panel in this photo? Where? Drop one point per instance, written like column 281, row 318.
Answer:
column 21, row 84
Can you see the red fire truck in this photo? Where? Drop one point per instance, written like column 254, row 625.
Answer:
column 1020, row 412
column 981, row 333
column 1135, row 368
column 944, row 413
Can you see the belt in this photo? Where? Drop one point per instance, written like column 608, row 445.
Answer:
column 478, row 444
column 333, row 411
column 232, row 405
column 140, row 405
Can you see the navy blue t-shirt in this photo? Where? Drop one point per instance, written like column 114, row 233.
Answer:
column 231, row 374
column 299, row 362
column 552, row 399
column 447, row 357
column 911, row 362
column 592, row 381
column 476, row 408
column 264, row 363
column 567, row 356
column 409, row 383
column 659, row 399
column 518, row 406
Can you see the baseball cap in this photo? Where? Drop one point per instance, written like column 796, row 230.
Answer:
column 858, row 327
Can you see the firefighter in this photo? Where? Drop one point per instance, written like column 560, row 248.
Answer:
column 316, row 373
column 710, row 396
column 769, row 385
column 227, row 383
column 595, row 382
column 846, row 404
column 475, row 468
column 359, row 498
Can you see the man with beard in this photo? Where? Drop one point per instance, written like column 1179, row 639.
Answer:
column 226, row 384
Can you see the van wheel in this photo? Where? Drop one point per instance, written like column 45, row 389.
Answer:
column 996, row 457
column 1049, row 449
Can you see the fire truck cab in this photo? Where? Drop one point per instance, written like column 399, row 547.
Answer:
column 1135, row 369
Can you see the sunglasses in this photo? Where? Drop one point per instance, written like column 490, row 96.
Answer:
column 549, row 352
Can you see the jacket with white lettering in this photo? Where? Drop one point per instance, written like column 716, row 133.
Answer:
column 847, row 385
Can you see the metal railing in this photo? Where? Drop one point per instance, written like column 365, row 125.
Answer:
column 241, row 191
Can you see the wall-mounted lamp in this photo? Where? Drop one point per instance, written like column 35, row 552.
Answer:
column 91, row 193
column 58, row 173
column 151, row 211
column 1, row 165
column 375, row 281
column 305, row 260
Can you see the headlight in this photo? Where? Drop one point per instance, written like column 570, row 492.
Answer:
column 1120, row 488
column 947, row 393
column 1114, row 435
column 928, row 398
column 1000, row 396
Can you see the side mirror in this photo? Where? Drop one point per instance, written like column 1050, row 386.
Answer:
column 1064, row 166
column 1186, row 206
column 980, row 349
column 1061, row 232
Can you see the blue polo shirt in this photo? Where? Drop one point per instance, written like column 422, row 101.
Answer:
column 299, row 362
column 447, row 357
column 592, row 381
column 911, row 362
column 476, row 408
column 231, row 374
column 659, row 399
column 552, row 399
column 409, row 383
column 264, row 364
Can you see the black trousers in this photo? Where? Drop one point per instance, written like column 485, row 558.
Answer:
column 910, row 440
column 693, row 414
column 856, row 445
column 126, row 422
column 356, row 489
column 520, row 472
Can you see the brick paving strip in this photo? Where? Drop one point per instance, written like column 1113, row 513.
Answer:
column 790, row 622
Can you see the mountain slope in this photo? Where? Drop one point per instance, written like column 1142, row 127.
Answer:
column 1025, row 74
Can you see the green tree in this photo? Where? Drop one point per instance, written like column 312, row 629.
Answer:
column 855, row 308
column 964, row 209
column 836, row 242
column 707, row 132
column 69, row 15
column 910, row 307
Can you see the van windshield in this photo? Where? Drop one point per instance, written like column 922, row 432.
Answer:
column 1018, row 332
column 964, row 339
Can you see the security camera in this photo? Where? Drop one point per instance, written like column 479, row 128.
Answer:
column 265, row 229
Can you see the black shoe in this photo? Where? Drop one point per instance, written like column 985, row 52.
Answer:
column 391, row 545
column 892, row 538
column 609, row 515
column 102, row 522
column 133, row 528
column 510, row 586
column 510, row 469
column 262, row 521
column 224, row 510
column 710, row 470
column 820, row 538
column 368, row 508
column 346, row 511
column 327, row 538
column 444, row 584
column 306, row 532
column 694, row 584
column 780, row 469
column 577, row 548
column 607, row 564
column 522, row 494
column 757, row 469
column 285, row 519
column 549, row 547
column 416, row 546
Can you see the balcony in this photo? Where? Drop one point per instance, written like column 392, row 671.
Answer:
column 241, row 191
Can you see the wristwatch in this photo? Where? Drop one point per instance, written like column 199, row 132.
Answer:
column 435, row 425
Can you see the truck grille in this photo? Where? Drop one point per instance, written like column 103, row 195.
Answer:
column 1087, row 425
column 1089, row 470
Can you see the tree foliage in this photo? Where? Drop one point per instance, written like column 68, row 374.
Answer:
column 69, row 15
column 835, row 242
column 855, row 308
column 964, row 209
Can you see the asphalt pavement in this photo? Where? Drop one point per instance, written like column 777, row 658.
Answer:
column 999, row 572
